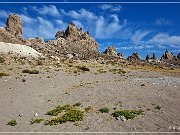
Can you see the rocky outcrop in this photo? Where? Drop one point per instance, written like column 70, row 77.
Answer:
column 111, row 51
column 168, row 56
column 135, row 57
column 147, row 58
column 14, row 25
column 178, row 56
column 60, row 34
column 75, row 41
column 12, row 33
column 151, row 59
column 154, row 58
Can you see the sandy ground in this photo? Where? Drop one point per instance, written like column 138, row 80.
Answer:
column 42, row 92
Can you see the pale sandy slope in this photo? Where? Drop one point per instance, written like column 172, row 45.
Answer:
column 39, row 94
column 22, row 50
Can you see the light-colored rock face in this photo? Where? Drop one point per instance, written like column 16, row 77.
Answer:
column 111, row 51
column 22, row 50
column 14, row 25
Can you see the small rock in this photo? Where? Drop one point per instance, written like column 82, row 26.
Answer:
column 36, row 114
column 121, row 118
column 20, row 115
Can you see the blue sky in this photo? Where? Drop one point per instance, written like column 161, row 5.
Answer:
column 143, row 28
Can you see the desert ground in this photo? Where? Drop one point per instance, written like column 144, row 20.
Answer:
column 24, row 97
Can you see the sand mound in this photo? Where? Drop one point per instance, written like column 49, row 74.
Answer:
column 23, row 50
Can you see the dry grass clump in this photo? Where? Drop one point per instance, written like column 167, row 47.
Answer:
column 117, row 71
column 30, row 71
column 3, row 74
column 12, row 123
column 36, row 121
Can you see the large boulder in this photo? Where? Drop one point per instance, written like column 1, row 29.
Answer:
column 14, row 25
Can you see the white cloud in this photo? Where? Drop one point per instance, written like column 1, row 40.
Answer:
column 166, row 39
column 113, row 8
column 82, row 13
column 47, row 10
column 163, row 21
column 139, row 36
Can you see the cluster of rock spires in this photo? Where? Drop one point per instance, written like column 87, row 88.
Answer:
column 71, row 43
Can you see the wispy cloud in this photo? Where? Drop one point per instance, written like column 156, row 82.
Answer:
column 111, row 7
column 46, row 10
column 163, row 22
column 139, row 35
column 166, row 39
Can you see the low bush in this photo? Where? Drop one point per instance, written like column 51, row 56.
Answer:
column 3, row 74
column 30, row 71
column 36, row 121
column 104, row 110
column 128, row 114
column 12, row 123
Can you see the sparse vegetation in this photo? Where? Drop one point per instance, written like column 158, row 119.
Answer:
column 71, row 115
column 2, row 60
column 12, row 123
column 59, row 109
column 128, row 114
column 3, row 74
column 89, row 108
column 158, row 107
column 30, row 71
column 39, row 62
column 77, row 104
column 117, row 71
column 104, row 110
column 101, row 71
column 83, row 68
column 36, row 121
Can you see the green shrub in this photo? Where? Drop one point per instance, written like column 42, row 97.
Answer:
column 36, row 121
column 12, row 123
column 30, row 71
column 128, row 114
column 71, row 115
column 59, row 109
column 3, row 74
column 104, row 110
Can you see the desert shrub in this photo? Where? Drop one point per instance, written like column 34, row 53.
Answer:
column 12, row 123
column 89, row 108
column 157, row 107
column 71, row 115
column 104, row 110
column 36, row 121
column 77, row 104
column 101, row 71
column 39, row 62
column 117, row 71
column 30, row 71
column 3, row 74
column 83, row 68
column 128, row 114
column 2, row 60
column 59, row 109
